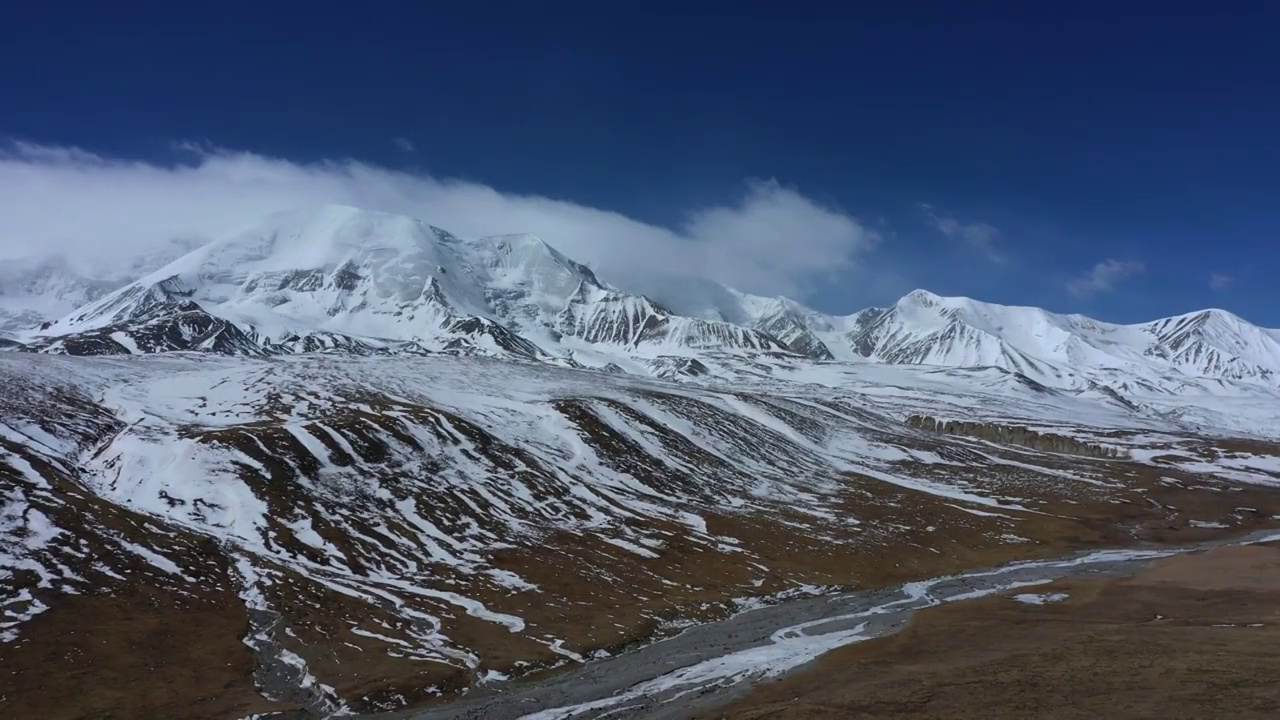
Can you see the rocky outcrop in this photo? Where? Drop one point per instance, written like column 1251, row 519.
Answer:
column 1014, row 435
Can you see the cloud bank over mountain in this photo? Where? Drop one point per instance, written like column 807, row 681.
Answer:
column 772, row 240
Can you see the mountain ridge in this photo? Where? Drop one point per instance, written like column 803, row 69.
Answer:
column 339, row 278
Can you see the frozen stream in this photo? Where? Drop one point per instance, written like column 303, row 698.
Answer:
column 708, row 665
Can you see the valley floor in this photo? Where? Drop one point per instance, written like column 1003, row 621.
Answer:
column 703, row 671
column 1201, row 622
column 1192, row 636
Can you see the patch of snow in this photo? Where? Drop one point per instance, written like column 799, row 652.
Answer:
column 124, row 339
column 1040, row 599
column 154, row 558
column 630, row 547
column 1207, row 524
column 508, row 579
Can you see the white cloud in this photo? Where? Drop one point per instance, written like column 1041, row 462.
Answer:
column 1103, row 277
column 1220, row 281
column 403, row 144
column 979, row 236
column 773, row 240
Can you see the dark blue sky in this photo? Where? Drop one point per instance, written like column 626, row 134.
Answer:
column 1083, row 135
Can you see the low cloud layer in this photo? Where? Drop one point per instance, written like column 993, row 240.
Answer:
column 1104, row 277
column 57, row 199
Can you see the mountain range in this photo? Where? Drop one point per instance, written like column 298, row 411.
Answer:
column 346, row 462
column 342, row 279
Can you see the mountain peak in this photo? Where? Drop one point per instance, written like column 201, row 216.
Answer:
column 532, row 255
column 337, row 276
column 923, row 298
column 921, row 295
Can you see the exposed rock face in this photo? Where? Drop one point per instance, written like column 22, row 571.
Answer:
column 1014, row 435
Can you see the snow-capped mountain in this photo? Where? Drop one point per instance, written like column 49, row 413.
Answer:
column 40, row 288
column 340, row 277
column 802, row 330
column 1216, row 343
column 1071, row 350
column 348, row 280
